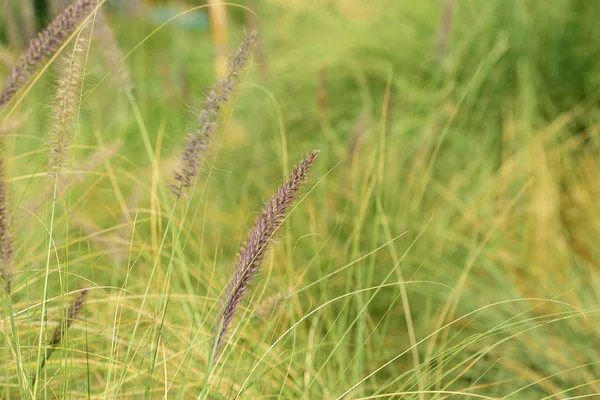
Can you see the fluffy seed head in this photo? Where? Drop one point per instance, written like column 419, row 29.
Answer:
column 44, row 45
column 74, row 310
column 65, row 106
column 255, row 248
column 5, row 235
column 197, row 142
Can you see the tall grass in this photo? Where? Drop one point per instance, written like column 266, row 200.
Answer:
column 446, row 246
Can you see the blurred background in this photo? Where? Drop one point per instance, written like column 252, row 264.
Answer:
column 459, row 153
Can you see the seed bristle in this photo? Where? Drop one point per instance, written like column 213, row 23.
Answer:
column 254, row 250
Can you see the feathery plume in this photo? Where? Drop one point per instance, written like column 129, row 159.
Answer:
column 65, row 107
column 255, row 248
column 65, row 324
column 197, row 142
column 62, row 328
column 112, row 53
column 44, row 45
column 5, row 235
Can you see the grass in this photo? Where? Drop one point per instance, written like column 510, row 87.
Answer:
column 452, row 255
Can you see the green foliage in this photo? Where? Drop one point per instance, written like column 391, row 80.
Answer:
column 470, row 204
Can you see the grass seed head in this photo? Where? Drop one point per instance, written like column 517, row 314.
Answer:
column 197, row 142
column 255, row 248
column 44, row 45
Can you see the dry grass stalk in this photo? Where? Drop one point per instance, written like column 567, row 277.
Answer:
column 44, row 45
column 66, row 105
column 255, row 248
column 198, row 141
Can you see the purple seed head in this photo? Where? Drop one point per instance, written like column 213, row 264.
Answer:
column 255, row 248
column 197, row 142
column 44, row 45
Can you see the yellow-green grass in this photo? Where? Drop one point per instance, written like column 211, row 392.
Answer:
column 454, row 254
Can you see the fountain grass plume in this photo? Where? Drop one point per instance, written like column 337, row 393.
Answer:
column 65, row 107
column 6, row 244
column 44, row 45
column 254, row 250
column 61, row 329
column 197, row 142
column 73, row 311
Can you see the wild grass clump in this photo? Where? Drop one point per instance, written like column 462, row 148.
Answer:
column 66, row 114
column 449, row 248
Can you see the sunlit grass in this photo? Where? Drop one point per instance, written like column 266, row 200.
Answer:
column 453, row 254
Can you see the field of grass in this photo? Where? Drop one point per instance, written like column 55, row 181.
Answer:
column 446, row 244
